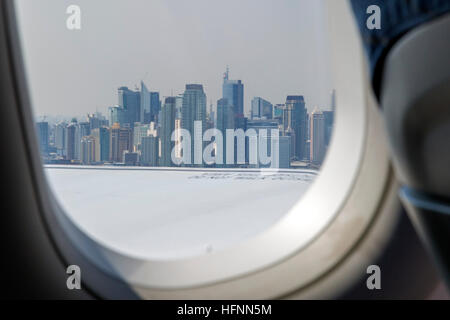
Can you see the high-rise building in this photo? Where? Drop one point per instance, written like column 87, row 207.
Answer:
column 120, row 141
column 317, row 146
column 96, row 121
column 140, row 131
column 118, row 114
column 225, row 121
column 263, row 129
column 155, row 106
column 279, row 151
column 193, row 110
column 149, row 151
column 177, row 137
column 233, row 91
column 153, row 131
column 284, row 149
column 307, row 157
column 278, row 112
column 295, row 118
column 102, row 150
column 329, row 122
column 88, row 150
column 289, row 132
column 130, row 101
column 179, row 106
column 225, row 115
column 130, row 158
column 71, row 132
column 261, row 109
column 240, row 122
column 83, row 129
column 60, row 138
column 145, row 104
column 168, row 112
column 43, row 136
column 150, row 105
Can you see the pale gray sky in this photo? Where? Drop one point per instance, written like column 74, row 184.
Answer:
column 276, row 47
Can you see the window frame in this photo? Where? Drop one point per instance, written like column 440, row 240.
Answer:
column 371, row 195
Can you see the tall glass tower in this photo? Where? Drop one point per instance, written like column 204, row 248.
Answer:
column 233, row 91
column 192, row 110
column 120, row 141
column 155, row 106
column 318, row 147
column 102, row 151
column 225, row 120
column 261, row 109
column 70, row 141
column 131, row 102
column 43, row 135
column 168, row 112
column 295, row 119
column 145, row 103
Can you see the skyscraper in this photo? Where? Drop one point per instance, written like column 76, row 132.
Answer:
column 179, row 105
column 194, row 109
column 261, row 109
column 140, row 131
column 60, row 138
column 130, row 158
column 263, row 129
column 149, row 151
column 43, row 136
column 155, row 106
column 117, row 114
column 130, row 101
column 87, row 150
column 317, row 137
column 96, row 121
column 225, row 121
column 295, row 118
column 233, row 91
column 83, row 129
column 284, row 148
column 102, row 150
column 225, row 115
column 120, row 141
column 145, row 104
column 70, row 142
column 329, row 121
column 168, row 112
column 278, row 112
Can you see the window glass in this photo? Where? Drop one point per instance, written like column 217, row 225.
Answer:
column 171, row 128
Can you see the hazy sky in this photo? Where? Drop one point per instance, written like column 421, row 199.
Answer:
column 276, row 47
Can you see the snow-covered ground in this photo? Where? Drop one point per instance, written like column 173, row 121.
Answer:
column 174, row 213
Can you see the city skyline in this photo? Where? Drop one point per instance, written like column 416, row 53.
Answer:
column 142, row 86
column 146, row 131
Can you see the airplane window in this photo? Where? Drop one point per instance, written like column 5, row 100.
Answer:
column 189, row 143
column 171, row 129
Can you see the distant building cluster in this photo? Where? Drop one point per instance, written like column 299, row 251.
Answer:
column 143, row 130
